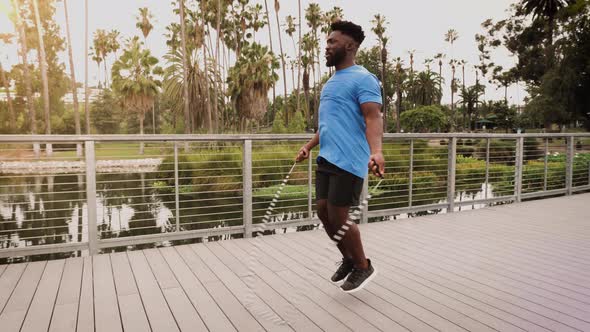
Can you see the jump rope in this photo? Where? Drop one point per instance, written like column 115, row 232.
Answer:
column 352, row 218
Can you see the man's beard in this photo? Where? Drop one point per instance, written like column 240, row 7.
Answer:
column 336, row 58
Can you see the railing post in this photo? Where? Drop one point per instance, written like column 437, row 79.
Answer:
column 452, row 158
column 569, row 166
column 546, row 163
column 365, row 211
column 411, row 174
column 176, row 187
column 518, row 168
column 487, row 184
column 247, row 187
column 91, row 197
column 309, row 185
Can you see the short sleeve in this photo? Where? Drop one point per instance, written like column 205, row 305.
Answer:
column 369, row 91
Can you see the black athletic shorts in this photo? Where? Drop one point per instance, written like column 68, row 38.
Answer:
column 338, row 186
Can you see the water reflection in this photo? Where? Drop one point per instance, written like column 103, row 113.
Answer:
column 51, row 209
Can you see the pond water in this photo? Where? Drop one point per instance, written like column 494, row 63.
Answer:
column 49, row 209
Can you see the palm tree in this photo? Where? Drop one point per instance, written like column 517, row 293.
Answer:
column 470, row 97
column 451, row 36
column 285, row 109
column 45, row 81
column 399, row 80
column 274, row 92
column 379, row 23
column 144, row 22
column 73, row 77
column 7, row 39
column 290, row 30
column 453, row 84
column 86, row 99
column 425, row 89
column 548, row 10
column 208, row 115
column 133, row 78
column 250, row 80
column 313, row 15
column 440, row 57
column 187, row 120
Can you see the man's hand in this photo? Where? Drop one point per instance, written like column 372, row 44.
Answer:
column 377, row 164
column 302, row 154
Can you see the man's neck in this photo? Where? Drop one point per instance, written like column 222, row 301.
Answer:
column 345, row 64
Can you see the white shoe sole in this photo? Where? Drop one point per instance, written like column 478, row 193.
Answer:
column 363, row 284
column 340, row 282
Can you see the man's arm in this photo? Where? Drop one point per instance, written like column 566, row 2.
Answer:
column 374, row 132
column 304, row 151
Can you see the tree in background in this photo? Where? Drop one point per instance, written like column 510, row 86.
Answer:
column 134, row 80
column 5, row 81
column 73, row 81
column 379, row 23
column 250, row 79
column 470, row 97
column 425, row 119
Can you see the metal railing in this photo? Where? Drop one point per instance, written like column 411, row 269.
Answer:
column 182, row 188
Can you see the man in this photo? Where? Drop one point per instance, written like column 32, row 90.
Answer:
column 349, row 135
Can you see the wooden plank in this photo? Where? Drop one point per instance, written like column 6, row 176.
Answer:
column 41, row 309
column 106, row 305
column 185, row 314
column 133, row 316
column 416, row 310
column 241, row 318
column 490, row 278
column 85, row 322
column 209, row 311
column 403, row 284
column 265, row 315
column 331, row 306
column 265, row 259
column 352, row 312
column 292, row 306
column 65, row 312
column 498, row 269
column 156, row 308
column 200, row 269
column 14, row 313
column 8, row 282
column 2, row 268
column 463, row 286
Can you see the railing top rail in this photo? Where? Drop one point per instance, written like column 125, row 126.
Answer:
column 254, row 137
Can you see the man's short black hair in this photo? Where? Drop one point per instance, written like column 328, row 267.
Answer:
column 350, row 29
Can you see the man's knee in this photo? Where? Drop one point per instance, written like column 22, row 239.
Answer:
column 322, row 209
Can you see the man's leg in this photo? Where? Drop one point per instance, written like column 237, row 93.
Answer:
column 351, row 242
column 331, row 229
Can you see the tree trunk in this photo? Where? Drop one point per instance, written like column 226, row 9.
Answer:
column 187, row 118
column 307, row 114
column 27, row 76
column 285, row 97
column 384, row 96
column 141, row 144
column 208, row 121
column 73, row 76
column 274, row 89
column 399, row 110
column 86, row 97
column 217, row 68
column 11, row 114
column 45, row 81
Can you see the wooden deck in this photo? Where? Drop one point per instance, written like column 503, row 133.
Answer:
column 520, row 267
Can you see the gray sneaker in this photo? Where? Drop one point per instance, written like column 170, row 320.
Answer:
column 358, row 278
column 346, row 266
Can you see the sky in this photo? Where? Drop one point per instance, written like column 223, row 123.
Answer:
column 413, row 25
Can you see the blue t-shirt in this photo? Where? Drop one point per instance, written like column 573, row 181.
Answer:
column 343, row 141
